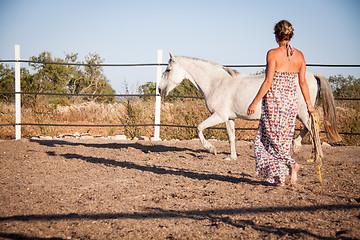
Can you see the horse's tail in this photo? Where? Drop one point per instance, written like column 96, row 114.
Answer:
column 329, row 108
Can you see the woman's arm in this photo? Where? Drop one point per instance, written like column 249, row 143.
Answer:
column 305, row 88
column 270, row 70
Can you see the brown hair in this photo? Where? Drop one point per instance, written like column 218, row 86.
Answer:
column 284, row 30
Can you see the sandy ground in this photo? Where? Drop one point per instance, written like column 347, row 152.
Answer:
column 107, row 189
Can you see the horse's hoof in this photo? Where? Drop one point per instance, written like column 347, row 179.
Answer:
column 213, row 150
column 296, row 148
column 230, row 158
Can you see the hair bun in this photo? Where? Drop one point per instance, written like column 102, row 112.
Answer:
column 284, row 30
column 288, row 30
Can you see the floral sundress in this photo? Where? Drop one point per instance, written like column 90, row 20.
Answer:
column 276, row 128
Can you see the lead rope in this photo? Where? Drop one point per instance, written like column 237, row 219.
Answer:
column 316, row 152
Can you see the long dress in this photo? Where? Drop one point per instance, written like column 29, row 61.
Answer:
column 276, row 128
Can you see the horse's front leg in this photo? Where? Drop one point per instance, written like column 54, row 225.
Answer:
column 230, row 127
column 213, row 120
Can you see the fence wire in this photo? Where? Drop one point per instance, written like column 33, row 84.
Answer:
column 141, row 125
column 165, row 64
column 130, row 95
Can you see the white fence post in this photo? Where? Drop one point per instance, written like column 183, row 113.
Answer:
column 158, row 97
column 17, row 95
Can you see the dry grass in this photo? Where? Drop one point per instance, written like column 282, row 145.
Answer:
column 189, row 112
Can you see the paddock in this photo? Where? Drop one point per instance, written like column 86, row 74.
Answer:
column 126, row 189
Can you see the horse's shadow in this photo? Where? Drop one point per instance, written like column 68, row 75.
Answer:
column 163, row 170
column 158, row 148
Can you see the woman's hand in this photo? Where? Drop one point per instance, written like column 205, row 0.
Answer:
column 311, row 110
column 251, row 109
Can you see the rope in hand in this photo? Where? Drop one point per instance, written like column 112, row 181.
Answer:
column 316, row 152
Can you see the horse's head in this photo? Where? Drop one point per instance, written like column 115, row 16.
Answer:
column 172, row 77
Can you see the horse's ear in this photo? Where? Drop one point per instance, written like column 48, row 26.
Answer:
column 171, row 56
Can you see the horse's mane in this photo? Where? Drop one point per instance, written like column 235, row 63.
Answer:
column 230, row 71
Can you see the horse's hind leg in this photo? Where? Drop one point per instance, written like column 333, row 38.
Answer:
column 298, row 139
column 213, row 120
column 230, row 127
column 304, row 119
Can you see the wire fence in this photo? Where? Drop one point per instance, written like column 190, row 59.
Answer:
column 129, row 95
column 133, row 125
column 140, row 95
column 165, row 64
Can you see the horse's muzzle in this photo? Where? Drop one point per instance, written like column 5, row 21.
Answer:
column 162, row 92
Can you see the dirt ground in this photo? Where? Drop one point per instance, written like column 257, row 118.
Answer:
column 107, row 189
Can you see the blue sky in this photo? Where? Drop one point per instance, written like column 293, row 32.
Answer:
column 225, row 32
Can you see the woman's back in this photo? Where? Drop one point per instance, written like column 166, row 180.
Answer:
column 285, row 63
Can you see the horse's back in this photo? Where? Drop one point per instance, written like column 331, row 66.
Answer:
column 240, row 91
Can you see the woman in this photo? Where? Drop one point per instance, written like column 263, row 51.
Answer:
column 273, row 141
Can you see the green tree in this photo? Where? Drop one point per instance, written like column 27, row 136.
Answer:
column 262, row 71
column 49, row 78
column 94, row 81
column 349, row 118
column 74, row 79
column 345, row 87
column 148, row 88
column 7, row 82
column 58, row 78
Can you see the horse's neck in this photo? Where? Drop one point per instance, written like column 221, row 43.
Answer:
column 202, row 75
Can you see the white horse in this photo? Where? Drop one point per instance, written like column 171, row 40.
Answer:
column 228, row 94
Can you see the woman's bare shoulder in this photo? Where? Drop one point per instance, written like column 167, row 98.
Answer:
column 273, row 50
column 272, row 53
column 298, row 53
